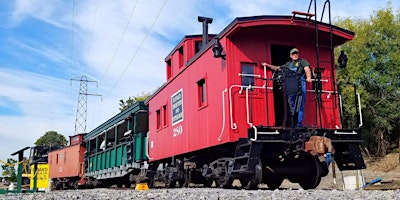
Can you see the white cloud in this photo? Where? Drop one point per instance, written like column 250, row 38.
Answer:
column 42, row 10
column 50, row 53
column 43, row 105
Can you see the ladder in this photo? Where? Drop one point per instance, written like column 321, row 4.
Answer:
column 246, row 155
column 331, row 61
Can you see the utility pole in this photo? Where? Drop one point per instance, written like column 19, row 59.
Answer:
column 81, row 110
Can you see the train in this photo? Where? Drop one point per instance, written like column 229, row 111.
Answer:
column 222, row 116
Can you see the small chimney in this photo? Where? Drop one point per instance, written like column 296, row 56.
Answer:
column 205, row 21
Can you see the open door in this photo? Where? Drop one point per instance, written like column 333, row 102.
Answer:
column 279, row 56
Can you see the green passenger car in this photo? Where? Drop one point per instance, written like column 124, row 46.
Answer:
column 116, row 150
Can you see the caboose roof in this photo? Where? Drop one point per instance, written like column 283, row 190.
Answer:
column 185, row 38
column 270, row 20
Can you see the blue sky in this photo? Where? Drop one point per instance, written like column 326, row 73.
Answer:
column 43, row 44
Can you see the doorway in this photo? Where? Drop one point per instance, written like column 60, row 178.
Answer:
column 279, row 56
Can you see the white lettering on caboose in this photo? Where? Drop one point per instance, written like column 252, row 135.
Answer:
column 177, row 131
column 177, row 107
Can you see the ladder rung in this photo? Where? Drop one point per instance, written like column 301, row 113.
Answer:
column 245, row 156
column 308, row 15
column 244, row 145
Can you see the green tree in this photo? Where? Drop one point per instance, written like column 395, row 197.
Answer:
column 9, row 170
column 374, row 65
column 124, row 104
column 51, row 138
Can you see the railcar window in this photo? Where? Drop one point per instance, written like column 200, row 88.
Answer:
column 158, row 119
column 169, row 69
column 247, row 74
column 202, row 92
column 92, row 146
column 165, row 115
column 198, row 45
column 181, row 57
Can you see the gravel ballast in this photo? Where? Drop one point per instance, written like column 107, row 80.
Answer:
column 208, row 193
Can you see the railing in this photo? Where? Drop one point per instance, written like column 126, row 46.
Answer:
column 233, row 124
column 346, row 117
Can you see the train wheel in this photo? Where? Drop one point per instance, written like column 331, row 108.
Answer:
column 59, row 185
column 311, row 178
column 150, row 182
column 52, row 185
column 250, row 182
column 208, row 183
column 89, row 184
column 25, row 181
column 171, row 184
column 182, row 183
column 127, row 184
column 56, row 185
column 225, row 182
column 187, row 179
column 220, row 171
column 74, row 184
column 273, row 181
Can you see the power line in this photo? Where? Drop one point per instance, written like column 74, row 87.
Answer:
column 120, row 40
column 119, row 43
column 72, row 34
column 91, row 31
column 72, row 44
column 139, row 47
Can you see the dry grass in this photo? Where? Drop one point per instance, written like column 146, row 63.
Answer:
column 386, row 164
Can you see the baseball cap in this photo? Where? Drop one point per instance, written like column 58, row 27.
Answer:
column 294, row 50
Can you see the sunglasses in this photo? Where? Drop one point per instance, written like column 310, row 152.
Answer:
column 295, row 53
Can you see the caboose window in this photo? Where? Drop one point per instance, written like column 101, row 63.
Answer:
column 181, row 57
column 198, row 45
column 247, row 74
column 169, row 69
column 158, row 120
column 165, row 115
column 202, row 92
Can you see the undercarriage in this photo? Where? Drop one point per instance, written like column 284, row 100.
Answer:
column 298, row 155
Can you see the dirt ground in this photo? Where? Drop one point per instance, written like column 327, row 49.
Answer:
column 386, row 168
column 389, row 163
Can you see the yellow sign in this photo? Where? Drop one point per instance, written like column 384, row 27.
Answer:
column 42, row 175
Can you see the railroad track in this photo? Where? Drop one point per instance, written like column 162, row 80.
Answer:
column 382, row 185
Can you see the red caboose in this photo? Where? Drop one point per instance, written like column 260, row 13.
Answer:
column 221, row 111
column 66, row 165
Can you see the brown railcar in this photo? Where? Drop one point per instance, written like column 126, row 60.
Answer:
column 66, row 165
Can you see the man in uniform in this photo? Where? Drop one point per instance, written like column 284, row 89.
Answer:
column 299, row 66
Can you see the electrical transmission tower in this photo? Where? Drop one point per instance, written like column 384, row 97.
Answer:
column 81, row 110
